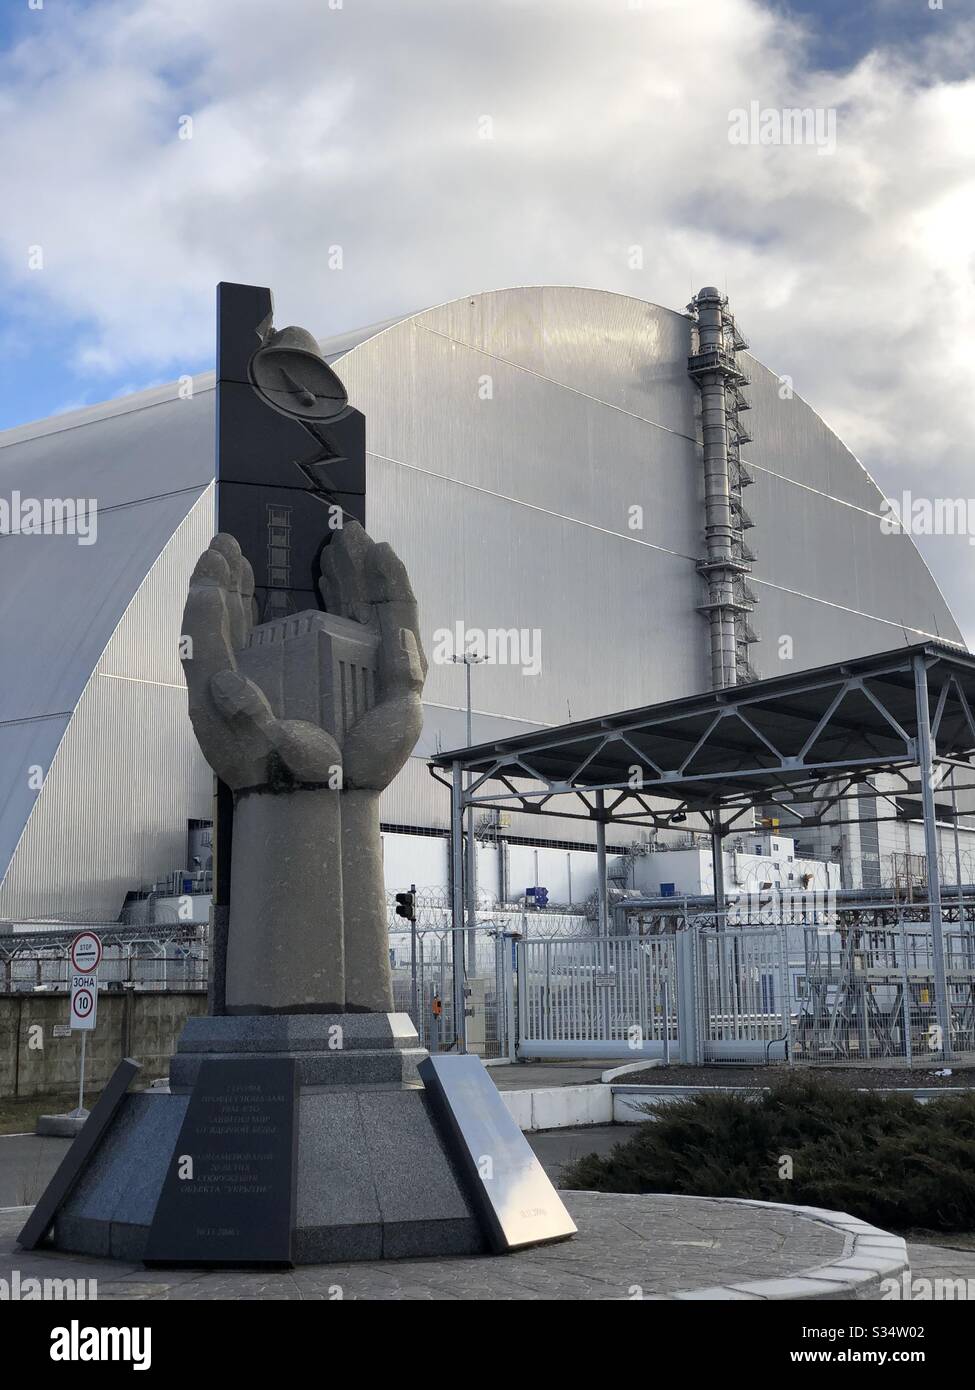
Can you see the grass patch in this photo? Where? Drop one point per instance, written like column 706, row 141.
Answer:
column 885, row 1159
column 20, row 1116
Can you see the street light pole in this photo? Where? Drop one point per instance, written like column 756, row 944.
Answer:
column 470, row 727
column 469, row 659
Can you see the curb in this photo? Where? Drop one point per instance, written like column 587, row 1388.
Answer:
column 59, row 1126
column 628, row 1067
column 560, row 1107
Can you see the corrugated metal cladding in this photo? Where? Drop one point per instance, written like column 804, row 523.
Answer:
column 128, row 775
column 534, row 458
column 144, row 462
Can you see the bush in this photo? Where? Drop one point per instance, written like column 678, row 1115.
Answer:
column 883, row 1158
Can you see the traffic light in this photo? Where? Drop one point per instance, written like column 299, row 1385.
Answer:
column 406, row 905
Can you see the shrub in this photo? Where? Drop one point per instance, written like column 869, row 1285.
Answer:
column 883, row 1158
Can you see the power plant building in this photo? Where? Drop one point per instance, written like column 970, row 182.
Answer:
column 616, row 502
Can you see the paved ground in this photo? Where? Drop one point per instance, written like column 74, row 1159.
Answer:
column 26, row 1163
column 627, row 1248
column 556, row 1147
column 530, row 1076
column 942, row 1262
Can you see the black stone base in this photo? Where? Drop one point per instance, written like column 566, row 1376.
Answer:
column 374, row 1177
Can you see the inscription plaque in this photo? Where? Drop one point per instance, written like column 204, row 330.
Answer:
column 513, row 1195
column 229, row 1192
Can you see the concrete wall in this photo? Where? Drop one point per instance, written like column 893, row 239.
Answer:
column 143, row 1026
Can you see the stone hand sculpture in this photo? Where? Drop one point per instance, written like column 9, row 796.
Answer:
column 308, row 926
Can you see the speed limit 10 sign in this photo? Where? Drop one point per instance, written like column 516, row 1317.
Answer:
column 84, row 1001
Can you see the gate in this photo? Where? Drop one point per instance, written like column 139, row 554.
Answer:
column 743, row 1004
column 694, row 996
column 613, row 997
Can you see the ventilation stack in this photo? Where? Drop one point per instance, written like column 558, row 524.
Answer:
column 715, row 370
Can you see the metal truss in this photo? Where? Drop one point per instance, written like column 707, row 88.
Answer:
column 711, row 773
column 799, row 744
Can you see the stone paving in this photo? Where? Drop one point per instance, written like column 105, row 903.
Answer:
column 943, row 1262
column 27, row 1164
column 627, row 1247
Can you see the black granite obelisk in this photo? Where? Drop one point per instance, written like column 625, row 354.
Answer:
column 290, row 451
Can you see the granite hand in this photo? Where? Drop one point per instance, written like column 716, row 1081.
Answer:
column 241, row 738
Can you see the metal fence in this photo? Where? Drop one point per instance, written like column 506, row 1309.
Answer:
column 870, row 995
column 422, row 975
column 845, row 993
column 422, row 968
column 597, row 996
column 809, row 995
column 143, row 965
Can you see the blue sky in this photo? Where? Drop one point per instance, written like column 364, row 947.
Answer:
column 439, row 147
column 844, row 31
column 43, row 335
column 41, row 338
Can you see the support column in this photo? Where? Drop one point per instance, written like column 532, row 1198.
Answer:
column 509, row 946
column 602, row 895
column 926, row 755
column 958, row 879
column 470, row 893
column 601, row 891
column 457, row 906
column 717, row 866
column 685, row 955
column 726, row 980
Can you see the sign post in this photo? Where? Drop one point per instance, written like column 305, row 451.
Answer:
column 86, row 955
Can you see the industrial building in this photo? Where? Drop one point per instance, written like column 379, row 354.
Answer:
column 612, row 501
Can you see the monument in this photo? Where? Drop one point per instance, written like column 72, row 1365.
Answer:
column 303, row 1123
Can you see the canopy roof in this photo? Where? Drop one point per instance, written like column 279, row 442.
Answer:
column 776, row 741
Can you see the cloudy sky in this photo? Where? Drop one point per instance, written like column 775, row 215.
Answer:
column 361, row 124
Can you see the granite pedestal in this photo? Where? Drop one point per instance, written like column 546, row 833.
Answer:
column 374, row 1178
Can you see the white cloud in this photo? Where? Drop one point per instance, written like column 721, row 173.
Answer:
column 358, row 126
